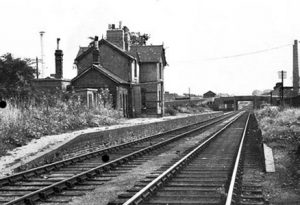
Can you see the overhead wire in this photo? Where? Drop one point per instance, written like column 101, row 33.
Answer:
column 250, row 53
column 236, row 55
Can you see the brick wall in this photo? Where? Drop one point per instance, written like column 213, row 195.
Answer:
column 113, row 61
column 137, row 100
column 52, row 84
column 148, row 72
column 84, row 63
column 93, row 79
column 116, row 37
column 182, row 102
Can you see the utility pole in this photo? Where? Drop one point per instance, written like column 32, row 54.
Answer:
column 282, row 75
column 282, row 88
column 295, row 69
column 37, row 67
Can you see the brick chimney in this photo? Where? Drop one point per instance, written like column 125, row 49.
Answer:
column 295, row 69
column 118, row 36
column 126, row 38
column 96, row 52
column 58, row 61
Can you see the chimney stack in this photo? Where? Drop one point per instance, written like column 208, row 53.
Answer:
column 96, row 52
column 42, row 55
column 120, row 36
column 58, row 61
column 126, row 38
column 295, row 69
column 116, row 36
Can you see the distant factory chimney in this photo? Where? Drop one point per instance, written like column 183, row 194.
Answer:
column 96, row 52
column 58, row 61
column 295, row 69
column 42, row 55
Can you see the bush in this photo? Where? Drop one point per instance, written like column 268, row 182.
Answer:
column 170, row 111
column 268, row 111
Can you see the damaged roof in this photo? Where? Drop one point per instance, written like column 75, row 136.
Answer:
column 81, row 51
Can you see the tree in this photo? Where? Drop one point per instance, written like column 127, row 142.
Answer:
column 266, row 91
column 137, row 38
column 15, row 74
column 257, row 92
column 223, row 95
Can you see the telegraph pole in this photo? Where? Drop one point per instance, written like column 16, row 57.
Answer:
column 37, row 67
column 295, row 69
column 282, row 75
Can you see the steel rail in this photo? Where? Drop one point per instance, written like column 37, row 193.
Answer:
column 70, row 182
column 236, row 165
column 157, row 182
column 59, row 164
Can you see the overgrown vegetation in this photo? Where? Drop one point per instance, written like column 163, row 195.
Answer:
column 51, row 113
column 281, row 131
column 189, row 108
column 170, row 111
column 31, row 114
column 279, row 125
column 15, row 75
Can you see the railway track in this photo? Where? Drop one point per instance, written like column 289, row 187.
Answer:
column 206, row 175
column 251, row 189
column 42, row 182
column 93, row 145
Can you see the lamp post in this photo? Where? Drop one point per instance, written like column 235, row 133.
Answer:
column 282, row 75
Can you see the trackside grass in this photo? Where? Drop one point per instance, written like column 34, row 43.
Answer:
column 281, row 131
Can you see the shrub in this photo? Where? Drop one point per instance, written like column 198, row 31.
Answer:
column 268, row 111
column 170, row 111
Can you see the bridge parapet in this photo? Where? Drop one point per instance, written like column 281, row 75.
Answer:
column 231, row 102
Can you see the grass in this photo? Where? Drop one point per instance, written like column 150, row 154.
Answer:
column 19, row 125
column 281, row 131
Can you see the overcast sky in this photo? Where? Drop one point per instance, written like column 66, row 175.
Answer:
column 195, row 33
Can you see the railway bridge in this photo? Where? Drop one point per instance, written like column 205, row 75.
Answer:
column 231, row 103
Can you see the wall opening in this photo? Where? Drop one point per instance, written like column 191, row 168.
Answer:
column 245, row 105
